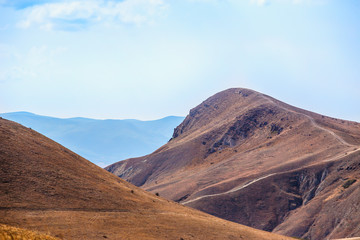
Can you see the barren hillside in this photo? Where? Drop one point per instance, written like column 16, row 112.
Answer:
column 249, row 158
column 47, row 188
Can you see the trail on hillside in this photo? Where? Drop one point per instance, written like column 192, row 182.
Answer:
column 312, row 120
column 242, row 186
column 231, row 190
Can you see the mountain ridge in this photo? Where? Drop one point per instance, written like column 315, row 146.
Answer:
column 101, row 141
column 48, row 188
column 238, row 139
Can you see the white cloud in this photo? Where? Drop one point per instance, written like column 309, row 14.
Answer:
column 79, row 14
column 73, row 15
column 259, row 2
column 267, row 2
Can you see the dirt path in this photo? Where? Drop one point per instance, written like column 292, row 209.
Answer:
column 313, row 122
column 231, row 190
column 263, row 177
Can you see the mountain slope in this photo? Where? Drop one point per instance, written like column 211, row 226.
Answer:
column 47, row 188
column 101, row 141
column 249, row 158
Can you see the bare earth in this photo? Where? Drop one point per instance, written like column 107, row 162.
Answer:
column 47, row 188
column 249, row 158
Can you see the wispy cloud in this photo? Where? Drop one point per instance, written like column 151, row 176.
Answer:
column 268, row 2
column 74, row 15
column 21, row 4
column 259, row 2
column 262, row 3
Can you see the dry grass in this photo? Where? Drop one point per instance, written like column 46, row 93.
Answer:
column 200, row 162
column 46, row 187
column 14, row 233
column 246, row 157
column 176, row 223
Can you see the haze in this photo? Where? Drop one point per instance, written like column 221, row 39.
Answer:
column 147, row 59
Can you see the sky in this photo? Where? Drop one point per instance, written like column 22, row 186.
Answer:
column 147, row 59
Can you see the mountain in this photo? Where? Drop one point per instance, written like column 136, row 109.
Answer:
column 47, row 188
column 249, row 158
column 101, row 141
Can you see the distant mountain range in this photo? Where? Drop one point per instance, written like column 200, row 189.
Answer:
column 101, row 141
column 240, row 155
column 46, row 188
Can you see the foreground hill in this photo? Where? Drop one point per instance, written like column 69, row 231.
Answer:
column 101, row 141
column 47, row 188
column 249, row 158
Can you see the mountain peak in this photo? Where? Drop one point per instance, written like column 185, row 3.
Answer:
column 223, row 105
column 239, row 137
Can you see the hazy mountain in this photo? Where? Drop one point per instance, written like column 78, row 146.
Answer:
column 47, row 188
column 101, row 141
column 249, row 158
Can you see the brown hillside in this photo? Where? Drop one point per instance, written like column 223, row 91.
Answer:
column 47, row 188
column 249, row 158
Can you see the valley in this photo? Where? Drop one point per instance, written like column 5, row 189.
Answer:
column 47, row 188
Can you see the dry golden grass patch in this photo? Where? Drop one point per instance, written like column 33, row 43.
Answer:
column 14, row 233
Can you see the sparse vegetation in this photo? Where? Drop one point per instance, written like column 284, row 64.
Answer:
column 100, row 211
column 348, row 183
column 14, row 233
column 276, row 128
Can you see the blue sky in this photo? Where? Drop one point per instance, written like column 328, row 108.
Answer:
column 147, row 59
